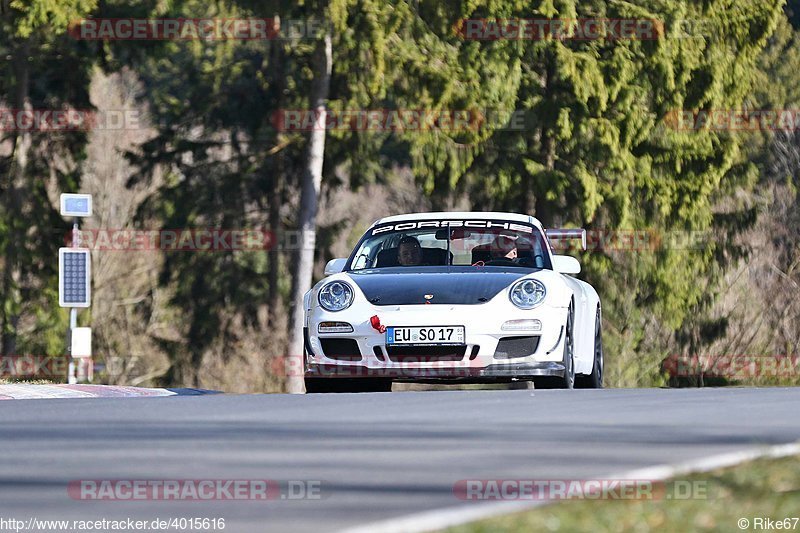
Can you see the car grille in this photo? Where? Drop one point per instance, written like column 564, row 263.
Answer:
column 423, row 354
column 340, row 349
column 511, row 347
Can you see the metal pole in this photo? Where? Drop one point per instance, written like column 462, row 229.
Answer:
column 73, row 323
column 72, row 376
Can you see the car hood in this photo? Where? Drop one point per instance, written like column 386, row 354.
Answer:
column 437, row 285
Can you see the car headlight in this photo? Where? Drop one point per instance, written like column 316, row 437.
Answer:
column 335, row 296
column 527, row 294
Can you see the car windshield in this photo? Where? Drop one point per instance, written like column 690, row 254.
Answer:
column 445, row 243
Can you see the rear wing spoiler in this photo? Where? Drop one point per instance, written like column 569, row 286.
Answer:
column 559, row 237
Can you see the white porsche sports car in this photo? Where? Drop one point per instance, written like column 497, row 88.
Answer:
column 453, row 297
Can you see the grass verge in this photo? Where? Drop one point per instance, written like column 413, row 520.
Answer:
column 754, row 491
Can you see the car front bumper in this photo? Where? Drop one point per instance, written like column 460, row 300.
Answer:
column 480, row 360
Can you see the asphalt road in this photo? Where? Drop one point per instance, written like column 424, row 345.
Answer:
column 377, row 455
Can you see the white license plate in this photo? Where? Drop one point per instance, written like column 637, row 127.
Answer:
column 425, row 335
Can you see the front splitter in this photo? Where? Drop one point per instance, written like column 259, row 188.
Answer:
column 494, row 372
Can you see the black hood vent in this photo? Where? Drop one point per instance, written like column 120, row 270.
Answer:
column 435, row 285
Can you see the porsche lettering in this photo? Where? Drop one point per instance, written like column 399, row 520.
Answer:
column 476, row 224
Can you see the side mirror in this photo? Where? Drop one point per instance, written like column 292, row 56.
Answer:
column 335, row 266
column 566, row 264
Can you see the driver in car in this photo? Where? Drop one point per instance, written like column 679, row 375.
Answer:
column 409, row 252
column 505, row 247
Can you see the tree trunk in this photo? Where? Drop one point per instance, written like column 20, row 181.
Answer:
column 277, row 60
column 307, row 219
column 539, row 207
column 12, row 271
column 275, row 202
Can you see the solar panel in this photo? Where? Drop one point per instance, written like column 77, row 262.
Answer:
column 74, row 277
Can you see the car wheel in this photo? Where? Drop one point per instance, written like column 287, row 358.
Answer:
column 567, row 381
column 339, row 385
column 595, row 379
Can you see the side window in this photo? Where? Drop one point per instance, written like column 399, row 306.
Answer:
column 363, row 259
column 541, row 249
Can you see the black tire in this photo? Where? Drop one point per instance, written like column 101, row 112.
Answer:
column 595, row 379
column 567, row 381
column 340, row 385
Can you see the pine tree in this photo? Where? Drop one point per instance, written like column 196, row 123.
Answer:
column 46, row 70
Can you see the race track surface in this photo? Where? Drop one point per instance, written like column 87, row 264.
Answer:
column 377, row 456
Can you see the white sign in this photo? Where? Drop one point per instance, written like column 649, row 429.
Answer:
column 76, row 205
column 81, row 342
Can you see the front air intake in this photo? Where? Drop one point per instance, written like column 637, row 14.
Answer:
column 425, row 354
column 512, row 347
column 340, row 349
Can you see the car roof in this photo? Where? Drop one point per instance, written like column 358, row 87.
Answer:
column 455, row 215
